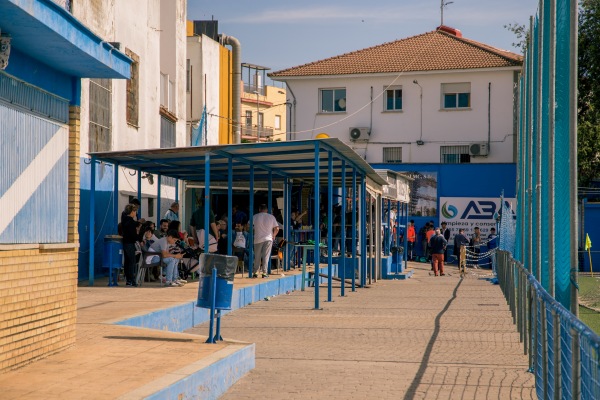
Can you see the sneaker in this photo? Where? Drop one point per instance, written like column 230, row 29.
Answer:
column 265, row 275
column 181, row 281
column 172, row 284
column 132, row 284
column 255, row 275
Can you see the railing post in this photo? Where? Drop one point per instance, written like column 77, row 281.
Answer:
column 544, row 325
column 556, row 350
column 576, row 365
column 533, row 328
column 519, row 302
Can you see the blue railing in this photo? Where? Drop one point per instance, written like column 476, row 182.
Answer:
column 564, row 354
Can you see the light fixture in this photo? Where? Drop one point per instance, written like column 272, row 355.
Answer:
column 4, row 51
column 150, row 178
column 420, row 143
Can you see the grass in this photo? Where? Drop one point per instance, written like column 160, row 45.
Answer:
column 589, row 295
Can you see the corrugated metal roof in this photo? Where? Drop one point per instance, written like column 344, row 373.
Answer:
column 291, row 159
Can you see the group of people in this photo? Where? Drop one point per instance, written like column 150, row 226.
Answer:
column 141, row 234
column 434, row 242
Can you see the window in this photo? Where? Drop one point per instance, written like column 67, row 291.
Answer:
column 133, row 89
column 392, row 155
column 456, row 95
column 248, row 118
column 150, row 207
column 100, row 136
column 188, row 76
column 393, row 99
column 333, row 100
column 167, row 132
column 261, row 119
column 278, row 122
column 454, row 155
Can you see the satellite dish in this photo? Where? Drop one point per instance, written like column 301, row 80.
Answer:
column 322, row 135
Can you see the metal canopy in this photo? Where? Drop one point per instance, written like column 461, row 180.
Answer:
column 283, row 160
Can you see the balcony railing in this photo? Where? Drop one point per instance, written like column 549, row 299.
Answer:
column 250, row 88
column 66, row 4
column 252, row 133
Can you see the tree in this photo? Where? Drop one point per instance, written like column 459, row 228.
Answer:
column 521, row 33
column 588, row 102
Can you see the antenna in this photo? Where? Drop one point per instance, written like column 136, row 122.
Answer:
column 442, row 5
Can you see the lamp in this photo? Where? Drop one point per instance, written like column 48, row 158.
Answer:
column 4, row 51
column 150, row 178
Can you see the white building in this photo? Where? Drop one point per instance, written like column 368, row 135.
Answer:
column 146, row 111
column 431, row 98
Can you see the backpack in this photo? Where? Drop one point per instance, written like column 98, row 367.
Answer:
column 240, row 240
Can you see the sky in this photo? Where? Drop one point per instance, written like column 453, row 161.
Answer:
column 282, row 34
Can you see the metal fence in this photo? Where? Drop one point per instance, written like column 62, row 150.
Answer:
column 564, row 354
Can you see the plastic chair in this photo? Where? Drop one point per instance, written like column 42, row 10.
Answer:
column 143, row 266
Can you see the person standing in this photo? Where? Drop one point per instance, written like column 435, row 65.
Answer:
column 446, row 232
column 264, row 228
column 423, row 238
column 412, row 237
column 476, row 243
column 172, row 213
column 492, row 244
column 459, row 240
column 438, row 247
column 129, row 225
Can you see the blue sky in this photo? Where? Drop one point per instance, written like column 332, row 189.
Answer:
column 282, row 34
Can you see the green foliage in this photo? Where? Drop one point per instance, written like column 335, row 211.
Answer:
column 588, row 141
column 521, row 33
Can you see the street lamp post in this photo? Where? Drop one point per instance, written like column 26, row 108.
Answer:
column 257, row 117
column 420, row 141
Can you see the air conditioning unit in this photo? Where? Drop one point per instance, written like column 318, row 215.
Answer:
column 357, row 134
column 478, row 149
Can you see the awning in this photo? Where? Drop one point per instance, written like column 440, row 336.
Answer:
column 48, row 33
column 292, row 160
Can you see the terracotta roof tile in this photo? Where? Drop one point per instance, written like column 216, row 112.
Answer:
column 432, row 51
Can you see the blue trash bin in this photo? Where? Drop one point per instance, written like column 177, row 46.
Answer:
column 113, row 252
column 112, row 257
column 226, row 266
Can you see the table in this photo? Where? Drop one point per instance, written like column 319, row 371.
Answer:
column 305, row 248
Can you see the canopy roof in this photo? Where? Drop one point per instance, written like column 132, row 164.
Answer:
column 280, row 160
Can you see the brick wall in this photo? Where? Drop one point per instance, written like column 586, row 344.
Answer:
column 38, row 286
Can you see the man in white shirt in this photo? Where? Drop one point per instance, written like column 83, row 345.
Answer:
column 264, row 228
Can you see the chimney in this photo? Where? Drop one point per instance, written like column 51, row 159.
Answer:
column 450, row 30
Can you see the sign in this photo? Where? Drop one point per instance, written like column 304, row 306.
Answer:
column 469, row 212
column 423, row 194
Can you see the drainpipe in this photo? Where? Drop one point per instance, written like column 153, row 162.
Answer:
column 292, row 115
column 236, row 49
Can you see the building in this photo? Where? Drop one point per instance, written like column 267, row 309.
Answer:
column 263, row 107
column 45, row 52
column 208, row 86
column 438, row 106
column 146, row 111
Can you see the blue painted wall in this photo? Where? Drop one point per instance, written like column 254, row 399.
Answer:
column 105, row 223
column 41, row 75
column 591, row 226
column 462, row 180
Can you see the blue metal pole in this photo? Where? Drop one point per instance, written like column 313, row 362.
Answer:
column 139, row 192
column 354, row 261
column 270, row 207
column 363, row 228
column 251, row 221
column 229, row 206
column 405, row 215
column 92, row 230
column 329, row 224
column 316, row 223
column 158, row 197
column 286, row 223
column 177, row 190
column 213, row 299
column 207, row 204
column 342, row 264
column 218, row 331
column 116, row 211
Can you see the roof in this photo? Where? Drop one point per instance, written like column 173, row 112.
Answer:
column 291, row 159
column 45, row 31
column 432, row 51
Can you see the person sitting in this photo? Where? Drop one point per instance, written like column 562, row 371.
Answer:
column 171, row 257
column 176, row 226
column 172, row 213
column 197, row 227
column 163, row 228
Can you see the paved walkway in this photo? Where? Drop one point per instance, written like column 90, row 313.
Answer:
column 424, row 338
